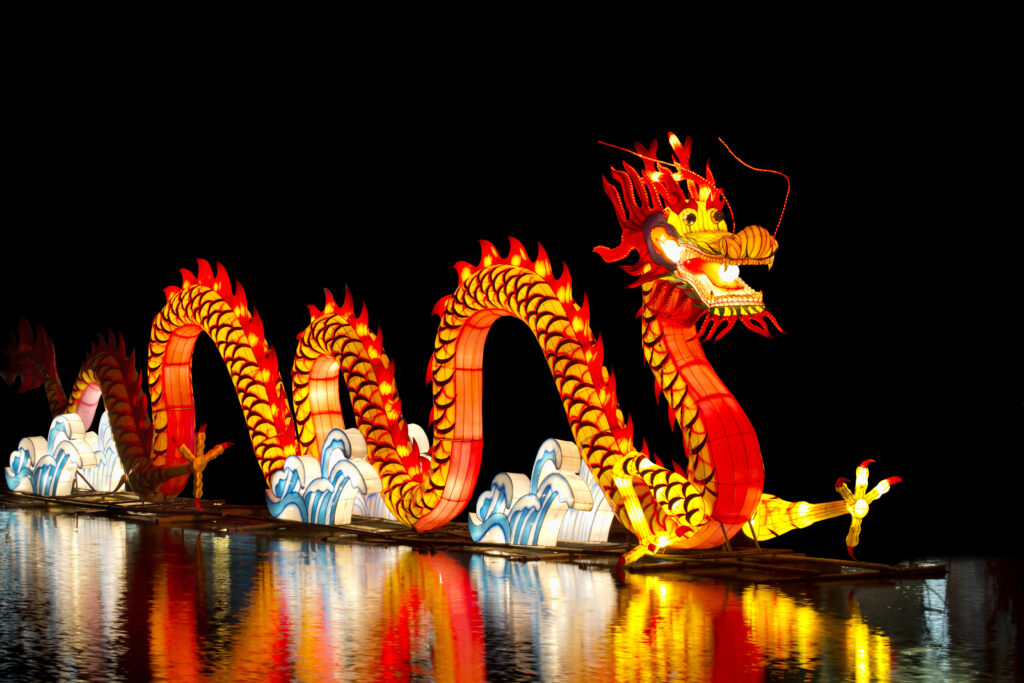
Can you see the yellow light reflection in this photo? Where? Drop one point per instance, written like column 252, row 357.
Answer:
column 706, row 631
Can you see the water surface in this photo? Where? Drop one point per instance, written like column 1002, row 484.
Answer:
column 89, row 598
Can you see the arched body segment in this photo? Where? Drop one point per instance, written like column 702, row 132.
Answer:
column 339, row 346
column 527, row 290
column 206, row 305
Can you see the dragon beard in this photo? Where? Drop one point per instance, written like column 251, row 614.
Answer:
column 675, row 303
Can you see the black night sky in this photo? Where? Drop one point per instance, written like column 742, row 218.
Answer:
column 886, row 354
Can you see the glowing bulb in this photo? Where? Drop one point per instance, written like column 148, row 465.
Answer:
column 728, row 273
column 671, row 249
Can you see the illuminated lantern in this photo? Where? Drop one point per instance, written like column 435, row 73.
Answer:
column 857, row 502
column 560, row 501
column 68, row 459
column 688, row 272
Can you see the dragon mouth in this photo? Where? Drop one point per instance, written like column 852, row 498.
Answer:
column 715, row 283
column 718, row 287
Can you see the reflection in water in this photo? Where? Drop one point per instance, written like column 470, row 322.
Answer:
column 61, row 584
column 92, row 599
column 311, row 612
column 578, row 623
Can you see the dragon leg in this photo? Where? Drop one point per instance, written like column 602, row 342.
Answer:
column 775, row 516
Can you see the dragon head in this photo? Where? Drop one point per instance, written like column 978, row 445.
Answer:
column 674, row 219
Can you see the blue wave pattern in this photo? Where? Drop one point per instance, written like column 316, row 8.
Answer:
column 68, row 459
column 328, row 490
column 108, row 471
column 51, row 477
column 19, row 474
column 559, row 501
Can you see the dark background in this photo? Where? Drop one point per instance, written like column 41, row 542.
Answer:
column 887, row 281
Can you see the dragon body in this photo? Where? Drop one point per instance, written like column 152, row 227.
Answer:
column 669, row 215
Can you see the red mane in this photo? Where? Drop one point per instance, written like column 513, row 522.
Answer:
column 656, row 189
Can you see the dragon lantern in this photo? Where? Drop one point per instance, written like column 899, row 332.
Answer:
column 688, row 273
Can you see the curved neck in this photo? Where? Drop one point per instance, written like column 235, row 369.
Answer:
column 720, row 443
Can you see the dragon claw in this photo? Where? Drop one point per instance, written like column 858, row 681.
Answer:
column 200, row 459
column 859, row 500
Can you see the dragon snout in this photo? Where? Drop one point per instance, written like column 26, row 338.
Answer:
column 752, row 243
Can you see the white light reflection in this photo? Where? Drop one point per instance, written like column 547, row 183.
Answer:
column 208, row 607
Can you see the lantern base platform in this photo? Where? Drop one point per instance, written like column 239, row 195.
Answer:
column 750, row 565
column 777, row 565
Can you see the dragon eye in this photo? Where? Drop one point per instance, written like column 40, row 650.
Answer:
column 670, row 248
column 717, row 216
column 689, row 217
column 666, row 244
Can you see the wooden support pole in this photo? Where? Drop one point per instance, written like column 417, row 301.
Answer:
column 82, row 477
